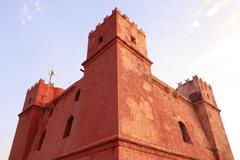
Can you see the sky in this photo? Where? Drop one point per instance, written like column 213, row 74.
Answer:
column 184, row 38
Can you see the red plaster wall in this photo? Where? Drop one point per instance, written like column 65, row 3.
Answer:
column 25, row 133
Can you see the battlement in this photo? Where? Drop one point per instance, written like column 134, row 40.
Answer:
column 116, row 28
column 195, row 78
column 124, row 16
column 40, row 94
column 197, row 90
column 41, row 82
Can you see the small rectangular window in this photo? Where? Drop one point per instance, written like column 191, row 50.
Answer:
column 100, row 39
column 133, row 39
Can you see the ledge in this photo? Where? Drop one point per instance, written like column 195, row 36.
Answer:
column 30, row 107
column 115, row 141
column 208, row 105
column 163, row 85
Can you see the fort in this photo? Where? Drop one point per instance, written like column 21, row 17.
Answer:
column 118, row 110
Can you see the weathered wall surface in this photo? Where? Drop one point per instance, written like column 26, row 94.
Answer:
column 147, row 112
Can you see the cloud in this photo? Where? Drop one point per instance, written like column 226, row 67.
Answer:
column 225, row 49
column 195, row 23
column 209, row 8
column 30, row 6
column 232, row 24
column 213, row 10
column 39, row 7
column 25, row 15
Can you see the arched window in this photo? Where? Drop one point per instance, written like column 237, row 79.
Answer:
column 77, row 95
column 68, row 127
column 39, row 146
column 185, row 135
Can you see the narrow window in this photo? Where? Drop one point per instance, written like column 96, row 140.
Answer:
column 208, row 96
column 77, row 95
column 185, row 135
column 68, row 127
column 41, row 141
column 133, row 39
column 30, row 100
column 50, row 112
column 100, row 39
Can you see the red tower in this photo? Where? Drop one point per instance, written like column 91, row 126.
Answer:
column 119, row 110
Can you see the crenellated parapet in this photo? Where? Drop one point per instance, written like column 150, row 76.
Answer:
column 116, row 28
column 40, row 94
column 196, row 78
column 197, row 90
column 124, row 16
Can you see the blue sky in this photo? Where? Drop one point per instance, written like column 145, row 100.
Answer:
column 184, row 38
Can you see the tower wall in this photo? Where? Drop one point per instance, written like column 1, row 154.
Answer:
column 103, row 34
column 26, row 129
column 29, row 119
column 214, row 129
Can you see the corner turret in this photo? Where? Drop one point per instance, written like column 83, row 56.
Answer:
column 197, row 90
column 33, row 109
column 201, row 95
column 40, row 94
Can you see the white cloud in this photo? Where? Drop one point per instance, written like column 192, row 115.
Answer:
column 39, row 7
column 231, row 25
column 213, row 10
column 215, row 7
column 25, row 15
column 226, row 41
column 195, row 24
column 208, row 8
column 30, row 6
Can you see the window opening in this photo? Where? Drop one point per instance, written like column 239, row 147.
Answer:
column 100, row 39
column 39, row 146
column 185, row 135
column 77, row 95
column 133, row 39
column 68, row 127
